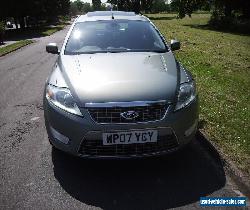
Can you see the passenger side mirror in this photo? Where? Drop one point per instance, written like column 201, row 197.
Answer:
column 175, row 45
column 52, row 48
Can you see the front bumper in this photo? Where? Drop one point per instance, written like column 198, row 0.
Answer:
column 70, row 133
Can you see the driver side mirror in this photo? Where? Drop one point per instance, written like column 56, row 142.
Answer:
column 52, row 48
column 175, row 45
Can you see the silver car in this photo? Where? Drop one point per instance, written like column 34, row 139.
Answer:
column 117, row 91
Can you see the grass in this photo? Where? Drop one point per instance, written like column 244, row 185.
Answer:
column 47, row 31
column 28, row 33
column 220, row 62
column 25, row 34
column 14, row 46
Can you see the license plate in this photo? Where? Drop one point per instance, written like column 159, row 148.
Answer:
column 130, row 137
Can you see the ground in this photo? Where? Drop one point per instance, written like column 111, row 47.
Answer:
column 220, row 63
column 33, row 176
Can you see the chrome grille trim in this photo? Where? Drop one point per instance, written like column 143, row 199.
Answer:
column 125, row 104
column 111, row 113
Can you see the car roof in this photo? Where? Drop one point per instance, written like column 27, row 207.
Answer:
column 107, row 15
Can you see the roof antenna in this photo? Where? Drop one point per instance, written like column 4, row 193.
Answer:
column 113, row 16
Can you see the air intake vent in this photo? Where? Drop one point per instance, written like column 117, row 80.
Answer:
column 96, row 148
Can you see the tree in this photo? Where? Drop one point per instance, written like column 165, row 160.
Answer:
column 53, row 8
column 46, row 9
column 186, row 7
column 86, row 7
column 103, row 7
column 227, row 8
column 132, row 5
column 159, row 6
column 2, row 30
column 64, row 7
column 146, row 5
column 96, row 4
column 73, row 9
column 78, row 4
column 78, row 7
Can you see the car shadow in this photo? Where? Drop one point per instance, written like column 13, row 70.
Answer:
column 155, row 183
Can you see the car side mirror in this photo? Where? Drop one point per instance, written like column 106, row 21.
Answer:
column 52, row 48
column 175, row 45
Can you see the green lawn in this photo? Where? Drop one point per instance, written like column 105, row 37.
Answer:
column 46, row 31
column 13, row 47
column 29, row 33
column 26, row 34
column 220, row 63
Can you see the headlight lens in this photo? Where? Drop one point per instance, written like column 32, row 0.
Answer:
column 62, row 98
column 187, row 94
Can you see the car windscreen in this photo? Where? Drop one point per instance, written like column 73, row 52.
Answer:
column 114, row 36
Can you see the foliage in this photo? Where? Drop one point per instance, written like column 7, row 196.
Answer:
column 138, row 6
column 2, row 27
column 78, row 7
column 96, row 4
column 37, row 9
column 159, row 6
column 186, row 7
column 232, row 23
column 233, row 15
column 225, row 8
column 232, row 7
column 126, row 5
column 2, row 30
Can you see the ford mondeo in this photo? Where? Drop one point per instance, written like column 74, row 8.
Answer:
column 117, row 90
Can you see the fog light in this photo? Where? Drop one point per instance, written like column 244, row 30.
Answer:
column 58, row 136
column 189, row 131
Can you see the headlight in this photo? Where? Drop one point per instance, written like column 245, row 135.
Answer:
column 186, row 95
column 62, row 98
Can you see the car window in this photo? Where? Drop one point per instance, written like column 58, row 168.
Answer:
column 114, row 36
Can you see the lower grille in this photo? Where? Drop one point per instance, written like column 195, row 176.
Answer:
column 96, row 148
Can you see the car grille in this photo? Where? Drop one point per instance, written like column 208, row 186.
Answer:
column 152, row 112
column 96, row 147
